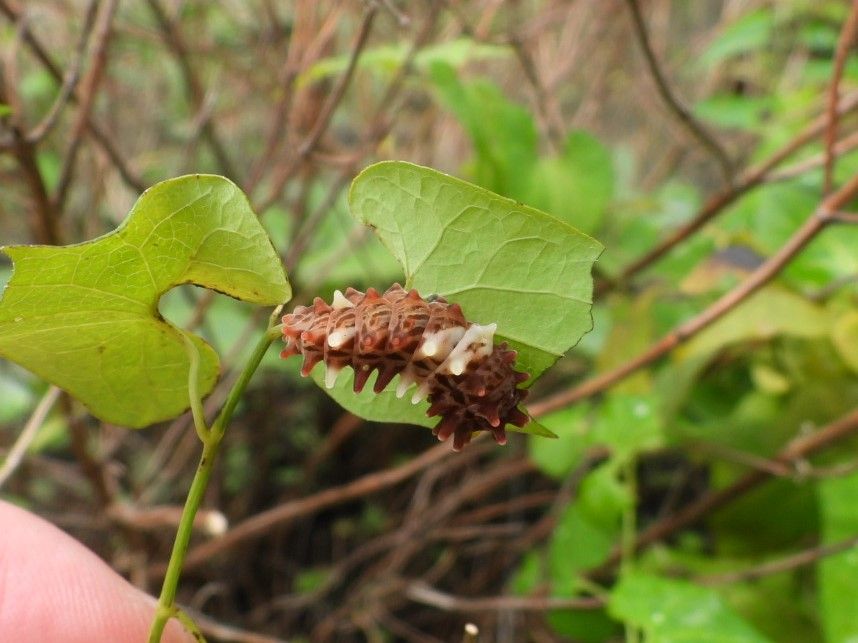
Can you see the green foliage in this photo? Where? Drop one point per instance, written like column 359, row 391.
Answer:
column 673, row 610
column 503, row 133
column 85, row 317
column 385, row 60
column 836, row 574
column 576, row 186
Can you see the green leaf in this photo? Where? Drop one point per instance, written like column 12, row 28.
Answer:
column 577, row 185
column 771, row 312
column 628, row 425
column 573, row 427
column 838, row 574
column 386, row 59
column 85, row 317
column 670, row 610
column 578, row 543
column 503, row 133
column 751, row 32
column 504, row 262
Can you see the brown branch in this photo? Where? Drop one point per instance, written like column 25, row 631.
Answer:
column 101, row 137
column 42, row 218
column 844, row 43
column 749, row 179
column 260, row 523
column 286, row 82
column 70, row 80
column 422, row 593
column 844, row 217
column 320, row 126
column 794, row 452
column 194, row 88
column 769, row 269
column 104, row 22
column 43, row 223
column 843, row 147
column 674, row 104
column 785, row 564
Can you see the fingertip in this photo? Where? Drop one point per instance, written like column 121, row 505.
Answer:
column 52, row 588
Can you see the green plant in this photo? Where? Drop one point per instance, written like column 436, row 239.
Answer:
column 96, row 303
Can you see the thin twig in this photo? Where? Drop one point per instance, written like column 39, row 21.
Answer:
column 843, row 147
column 194, row 88
column 101, row 137
column 104, row 22
column 70, row 79
column 674, row 104
column 844, row 217
column 785, row 564
column 423, row 593
column 401, row 18
column 320, row 126
column 767, row 271
column 844, row 43
column 298, row 51
column 260, row 523
column 28, row 434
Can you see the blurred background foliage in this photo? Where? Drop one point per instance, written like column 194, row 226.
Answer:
column 360, row 533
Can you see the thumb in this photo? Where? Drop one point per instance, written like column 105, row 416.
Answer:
column 54, row 589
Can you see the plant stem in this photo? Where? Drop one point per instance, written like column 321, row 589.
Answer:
column 211, row 443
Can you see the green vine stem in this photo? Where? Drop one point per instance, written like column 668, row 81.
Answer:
column 211, row 438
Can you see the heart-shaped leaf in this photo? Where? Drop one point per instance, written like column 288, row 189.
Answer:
column 502, row 261
column 85, row 317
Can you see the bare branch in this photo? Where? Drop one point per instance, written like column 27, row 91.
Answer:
column 70, row 80
column 423, row 593
column 674, row 104
column 844, row 43
column 193, row 87
column 103, row 139
column 104, row 22
column 323, row 120
column 28, row 434
column 785, row 564
column 749, row 179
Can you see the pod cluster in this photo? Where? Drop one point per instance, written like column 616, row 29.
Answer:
column 470, row 383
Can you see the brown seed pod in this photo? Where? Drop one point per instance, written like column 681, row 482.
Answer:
column 470, row 383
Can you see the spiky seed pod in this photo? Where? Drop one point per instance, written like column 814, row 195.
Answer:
column 470, row 383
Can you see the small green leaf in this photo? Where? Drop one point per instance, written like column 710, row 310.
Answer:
column 85, row 317
column 674, row 610
column 577, row 185
column 5, row 110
